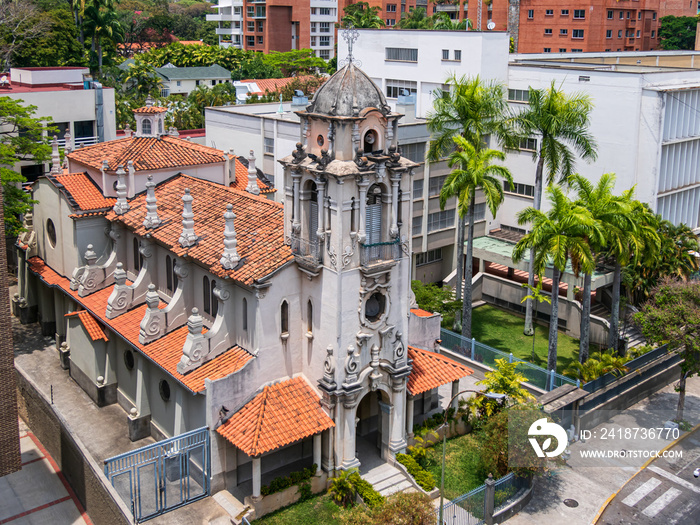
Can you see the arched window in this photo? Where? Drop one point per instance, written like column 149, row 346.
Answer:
column 313, row 210
column 244, row 314
column 369, row 143
column 146, row 126
column 214, row 300
column 169, row 273
column 374, row 214
column 206, row 294
column 284, row 318
column 138, row 258
column 399, row 221
column 353, row 224
column 309, row 317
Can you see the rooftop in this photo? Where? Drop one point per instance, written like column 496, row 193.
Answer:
column 82, row 193
column 193, row 73
column 431, row 370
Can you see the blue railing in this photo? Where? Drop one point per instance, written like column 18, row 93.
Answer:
column 541, row 378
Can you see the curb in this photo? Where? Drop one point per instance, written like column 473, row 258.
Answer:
column 645, row 465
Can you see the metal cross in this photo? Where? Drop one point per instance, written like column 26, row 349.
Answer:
column 350, row 35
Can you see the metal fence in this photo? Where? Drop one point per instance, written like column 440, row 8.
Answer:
column 467, row 509
column 309, row 249
column 163, row 476
column 545, row 379
column 508, row 488
column 378, row 252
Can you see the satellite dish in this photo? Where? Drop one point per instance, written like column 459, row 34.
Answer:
column 490, row 26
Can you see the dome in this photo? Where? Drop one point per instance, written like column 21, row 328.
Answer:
column 346, row 93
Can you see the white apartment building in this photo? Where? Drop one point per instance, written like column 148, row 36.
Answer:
column 230, row 19
column 323, row 15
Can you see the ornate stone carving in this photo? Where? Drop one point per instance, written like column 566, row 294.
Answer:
column 119, row 299
column 394, row 157
column 230, row 258
column 348, row 252
column 188, row 237
column 193, row 350
column 361, row 161
column 332, row 255
column 299, row 154
column 351, row 367
column 399, row 349
column 153, row 323
column 151, row 220
column 329, row 368
column 324, row 160
column 122, row 205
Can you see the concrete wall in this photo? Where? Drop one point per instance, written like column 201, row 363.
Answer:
column 423, row 332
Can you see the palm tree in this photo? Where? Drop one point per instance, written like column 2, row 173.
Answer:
column 560, row 122
column 474, row 172
column 613, row 214
column 472, row 109
column 361, row 16
column 442, row 22
column 102, row 22
column 557, row 236
column 537, row 296
column 416, row 19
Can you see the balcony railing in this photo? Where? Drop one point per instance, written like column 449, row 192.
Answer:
column 380, row 252
column 309, row 250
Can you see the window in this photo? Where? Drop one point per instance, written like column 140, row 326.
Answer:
column 251, row 25
column 563, row 32
column 549, row 12
column 214, row 300
column 547, row 50
column 441, row 220
column 628, row 15
column 579, row 14
column 518, row 95
column 577, row 50
column 622, row 15
column 394, row 87
column 417, row 227
column 653, row 33
column 146, row 126
column 168, row 273
column 164, row 389
column 608, row 33
column 244, row 313
column 324, row 41
column 639, row 15
column 197, row 82
column 284, row 318
column 445, row 54
column 206, row 294
column 435, row 185
column 428, row 257
column 391, row 8
column 325, row 54
column 547, row 31
column 313, row 10
column 51, row 233
column 260, row 26
column 653, row 16
column 564, row 12
column 458, row 54
column 619, row 34
column 178, row 83
column 250, row 41
column 250, row 10
column 138, row 258
column 562, row 50
column 129, row 360
column 638, row 33
column 213, row 82
column 529, row 144
column 610, row 14
column 260, row 40
column 309, row 317
column 414, row 152
column 313, row 27
column 520, row 189
column 325, row 27
column 325, row 11
column 577, row 33
column 531, row 14
column 269, row 145
column 417, row 188
column 401, row 54
column 313, row 41
column 390, row 22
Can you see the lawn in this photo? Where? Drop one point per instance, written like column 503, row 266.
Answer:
column 503, row 330
column 318, row 509
column 461, row 463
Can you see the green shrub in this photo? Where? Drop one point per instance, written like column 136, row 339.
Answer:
column 284, row 482
column 423, row 478
column 371, row 497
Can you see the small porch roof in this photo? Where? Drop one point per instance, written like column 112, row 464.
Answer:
column 279, row 415
column 431, row 370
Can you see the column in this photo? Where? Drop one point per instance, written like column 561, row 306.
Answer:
column 363, row 185
column 256, row 478
column 179, row 417
column 455, row 391
column 409, row 415
column 394, row 205
column 398, row 442
column 320, row 199
column 296, row 210
column 317, row 452
column 349, row 459
column 142, row 406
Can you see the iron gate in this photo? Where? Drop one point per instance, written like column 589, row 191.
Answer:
column 163, row 476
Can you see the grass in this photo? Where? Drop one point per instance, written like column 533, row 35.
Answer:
column 504, row 331
column 461, row 465
column 318, row 509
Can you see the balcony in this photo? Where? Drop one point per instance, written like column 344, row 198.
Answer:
column 308, row 254
column 380, row 256
column 221, row 17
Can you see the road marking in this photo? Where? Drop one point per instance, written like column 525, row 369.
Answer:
column 661, row 502
column 641, row 491
column 678, row 481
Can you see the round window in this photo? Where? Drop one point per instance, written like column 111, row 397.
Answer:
column 374, row 306
column 51, row 233
column 164, row 388
column 129, row 359
column 320, row 140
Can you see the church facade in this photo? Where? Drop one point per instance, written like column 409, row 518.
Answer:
column 176, row 289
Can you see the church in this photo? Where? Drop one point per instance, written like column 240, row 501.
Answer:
column 177, row 289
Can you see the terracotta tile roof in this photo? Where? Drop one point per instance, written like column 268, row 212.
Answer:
column 147, row 153
column 83, row 194
column 273, row 84
column 241, row 182
column 150, row 109
column 258, row 223
column 421, row 313
column 431, row 370
column 281, row 414
column 165, row 352
column 92, row 327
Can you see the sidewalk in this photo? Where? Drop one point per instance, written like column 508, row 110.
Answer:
column 39, row 493
column 591, row 487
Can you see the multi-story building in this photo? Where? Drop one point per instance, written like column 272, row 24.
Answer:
column 278, row 25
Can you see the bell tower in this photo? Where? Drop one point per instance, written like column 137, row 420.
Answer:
column 347, row 210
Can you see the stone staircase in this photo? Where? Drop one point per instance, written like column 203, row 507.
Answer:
column 627, row 328
column 387, row 479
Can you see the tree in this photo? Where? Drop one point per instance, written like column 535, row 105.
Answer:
column 295, row 62
column 342, row 488
column 538, row 297
column 599, row 364
column 20, row 24
column 612, row 215
column 475, row 172
column 21, row 139
column 102, row 23
column 362, row 16
column 505, row 379
column 557, row 236
column 472, row 109
column 677, row 32
column 415, row 19
column 442, row 22
column 560, row 123
column 432, row 298
column 672, row 315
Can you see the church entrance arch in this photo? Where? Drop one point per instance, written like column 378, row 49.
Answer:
column 373, row 419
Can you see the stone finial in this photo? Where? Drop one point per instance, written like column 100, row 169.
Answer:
column 67, row 149
column 122, row 205
column 152, row 220
column 194, row 348
column 56, row 168
column 153, row 323
column 127, row 131
column 90, row 255
column 105, row 165
column 149, row 101
column 188, row 237
column 252, row 176
column 120, row 275
column 230, row 258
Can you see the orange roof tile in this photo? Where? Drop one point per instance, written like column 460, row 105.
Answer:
column 147, row 153
column 82, row 192
column 421, row 313
column 165, row 352
column 281, row 414
column 241, row 182
column 258, row 223
column 150, row 109
column 92, row 327
column 274, row 84
column 431, row 370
